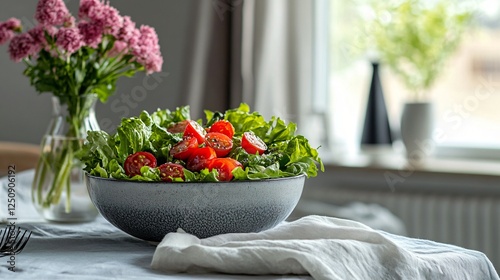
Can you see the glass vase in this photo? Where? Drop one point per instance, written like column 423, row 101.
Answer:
column 59, row 192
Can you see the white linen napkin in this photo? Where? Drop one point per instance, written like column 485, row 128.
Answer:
column 323, row 247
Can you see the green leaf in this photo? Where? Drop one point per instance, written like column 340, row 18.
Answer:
column 99, row 150
column 287, row 155
column 244, row 121
column 116, row 170
column 99, row 172
column 165, row 118
column 213, row 117
column 208, row 176
column 415, row 39
column 162, row 141
column 133, row 136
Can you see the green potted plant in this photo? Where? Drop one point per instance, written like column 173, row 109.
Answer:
column 414, row 39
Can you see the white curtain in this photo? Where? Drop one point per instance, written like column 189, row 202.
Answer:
column 211, row 73
column 260, row 52
column 277, row 58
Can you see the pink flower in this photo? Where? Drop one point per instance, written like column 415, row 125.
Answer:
column 134, row 39
column 149, row 39
column 147, row 50
column 70, row 21
column 128, row 30
column 5, row 35
column 119, row 48
column 52, row 12
column 69, row 39
column 21, row 46
column 91, row 33
column 129, row 34
column 153, row 63
column 7, row 29
column 11, row 24
column 86, row 6
column 108, row 16
column 38, row 35
column 113, row 22
column 147, row 43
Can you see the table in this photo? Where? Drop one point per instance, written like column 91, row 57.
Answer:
column 449, row 200
column 95, row 250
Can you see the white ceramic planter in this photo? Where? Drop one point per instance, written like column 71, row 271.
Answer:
column 416, row 130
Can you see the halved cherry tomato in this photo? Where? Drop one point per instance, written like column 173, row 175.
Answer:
column 224, row 167
column 221, row 143
column 134, row 162
column 200, row 158
column 194, row 129
column 184, row 149
column 252, row 143
column 169, row 170
column 178, row 127
column 223, row 127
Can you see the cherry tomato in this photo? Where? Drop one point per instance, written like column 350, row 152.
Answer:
column 221, row 143
column 253, row 144
column 223, row 127
column 178, row 127
column 200, row 158
column 194, row 129
column 224, row 167
column 134, row 162
column 184, row 149
column 169, row 170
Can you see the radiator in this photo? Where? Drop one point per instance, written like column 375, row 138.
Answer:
column 467, row 221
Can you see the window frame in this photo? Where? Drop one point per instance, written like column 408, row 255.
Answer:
column 322, row 93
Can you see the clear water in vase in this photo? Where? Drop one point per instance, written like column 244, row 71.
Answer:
column 59, row 192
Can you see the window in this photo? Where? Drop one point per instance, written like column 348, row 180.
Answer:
column 466, row 94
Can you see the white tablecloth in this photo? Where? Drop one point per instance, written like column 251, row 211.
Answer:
column 97, row 250
column 92, row 251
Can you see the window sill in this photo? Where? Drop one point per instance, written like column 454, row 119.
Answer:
column 468, row 152
column 387, row 169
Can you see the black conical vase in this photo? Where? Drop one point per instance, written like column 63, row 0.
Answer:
column 376, row 130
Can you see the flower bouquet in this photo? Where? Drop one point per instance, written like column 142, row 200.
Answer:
column 78, row 61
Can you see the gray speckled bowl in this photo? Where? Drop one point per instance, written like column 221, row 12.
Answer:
column 150, row 210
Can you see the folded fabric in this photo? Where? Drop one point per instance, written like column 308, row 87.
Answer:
column 323, row 247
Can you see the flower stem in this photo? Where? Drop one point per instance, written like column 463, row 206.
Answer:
column 61, row 175
column 41, row 167
column 58, row 158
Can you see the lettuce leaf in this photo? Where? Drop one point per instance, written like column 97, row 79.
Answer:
column 287, row 155
column 292, row 152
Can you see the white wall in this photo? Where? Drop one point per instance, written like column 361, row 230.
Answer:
column 24, row 114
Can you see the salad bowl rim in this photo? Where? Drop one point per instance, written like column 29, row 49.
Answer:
column 193, row 182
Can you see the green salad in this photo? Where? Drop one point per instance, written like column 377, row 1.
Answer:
column 169, row 146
